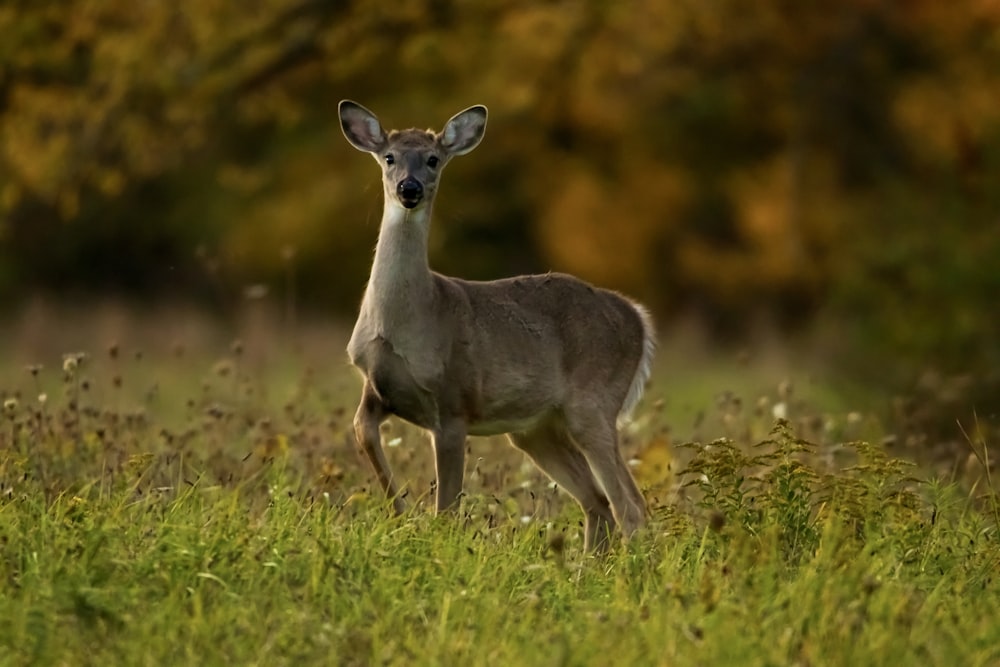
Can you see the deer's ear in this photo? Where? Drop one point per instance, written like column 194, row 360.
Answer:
column 464, row 131
column 361, row 127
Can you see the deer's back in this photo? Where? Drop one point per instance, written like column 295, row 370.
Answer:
column 531, row 341
column 585, row 318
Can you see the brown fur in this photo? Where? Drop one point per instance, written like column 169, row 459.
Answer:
column 548, row 359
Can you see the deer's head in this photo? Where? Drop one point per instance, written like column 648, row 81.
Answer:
column 411, row 160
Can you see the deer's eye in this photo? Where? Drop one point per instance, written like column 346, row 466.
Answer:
column 390, row 159
column 433, row 161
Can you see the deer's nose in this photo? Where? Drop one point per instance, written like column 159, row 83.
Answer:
column 410, row 192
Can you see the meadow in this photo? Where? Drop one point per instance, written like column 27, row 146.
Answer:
column 176, row 493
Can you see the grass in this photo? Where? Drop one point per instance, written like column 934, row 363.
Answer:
column 184, row 509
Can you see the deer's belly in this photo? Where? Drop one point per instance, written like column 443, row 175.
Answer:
column 505, row 425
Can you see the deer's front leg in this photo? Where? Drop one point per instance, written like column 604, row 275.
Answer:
column 449, row 459
column 371, row 413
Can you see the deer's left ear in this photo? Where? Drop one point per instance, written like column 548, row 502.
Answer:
column 464, row 131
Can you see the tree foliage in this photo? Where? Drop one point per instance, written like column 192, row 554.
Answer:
column 729, row 157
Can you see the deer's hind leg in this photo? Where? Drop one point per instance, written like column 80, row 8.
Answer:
column 550, row 447
column 596, row 434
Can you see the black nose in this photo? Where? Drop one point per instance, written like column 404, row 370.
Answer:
column 410, row 192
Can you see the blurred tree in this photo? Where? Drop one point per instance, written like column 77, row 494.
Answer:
column 730, row 158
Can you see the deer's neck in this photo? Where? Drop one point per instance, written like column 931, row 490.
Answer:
column 401, row 285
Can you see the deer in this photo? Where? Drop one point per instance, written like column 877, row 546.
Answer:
column 549, row 360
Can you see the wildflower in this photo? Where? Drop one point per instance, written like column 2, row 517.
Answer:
column 10, row 406
column 43, row 397
column 69, row 364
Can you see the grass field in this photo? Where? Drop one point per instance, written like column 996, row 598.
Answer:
column 177, row 497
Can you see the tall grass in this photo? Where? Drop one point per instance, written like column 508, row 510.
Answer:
column 180, row 510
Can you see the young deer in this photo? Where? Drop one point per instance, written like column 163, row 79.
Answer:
column 548, row 359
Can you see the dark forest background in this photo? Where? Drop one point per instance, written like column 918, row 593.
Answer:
column 800, row 164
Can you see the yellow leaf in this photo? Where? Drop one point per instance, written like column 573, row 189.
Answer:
column 655, row 463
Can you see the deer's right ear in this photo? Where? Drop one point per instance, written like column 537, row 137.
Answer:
column 361, row 127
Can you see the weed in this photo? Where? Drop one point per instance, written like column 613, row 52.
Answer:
column 226, row 518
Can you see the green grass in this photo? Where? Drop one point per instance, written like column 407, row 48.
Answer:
column 224, row 518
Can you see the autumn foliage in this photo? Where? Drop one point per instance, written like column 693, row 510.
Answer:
column 778, row 158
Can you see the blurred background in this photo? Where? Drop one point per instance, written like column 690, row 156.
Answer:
column 776, row 170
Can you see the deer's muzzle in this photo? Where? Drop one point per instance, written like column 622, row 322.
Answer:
column 410, row 192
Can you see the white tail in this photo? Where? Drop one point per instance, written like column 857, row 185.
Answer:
column 548, row 359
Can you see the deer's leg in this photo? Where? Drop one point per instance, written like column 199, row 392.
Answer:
column 371, row 413
column 449, row 462
column 597, row 437
column 556, row 455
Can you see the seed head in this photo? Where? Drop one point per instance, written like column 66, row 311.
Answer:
column 785, row 389
column 223, row 368
column 73, row 361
